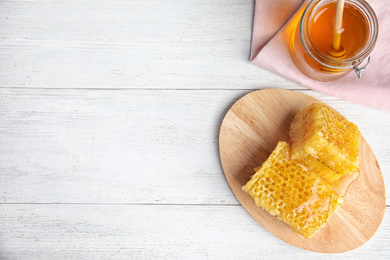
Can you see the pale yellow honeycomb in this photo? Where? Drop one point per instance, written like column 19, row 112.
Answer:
column 317, row 167
column 325, row 135
column 292, row 193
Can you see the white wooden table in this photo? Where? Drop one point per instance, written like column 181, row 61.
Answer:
column 109, row 121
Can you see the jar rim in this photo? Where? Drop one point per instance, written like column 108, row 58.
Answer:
column 335, row 63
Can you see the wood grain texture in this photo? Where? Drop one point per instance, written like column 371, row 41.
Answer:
column 109, row 121
column 194, row 44
column 58, row 231
column 250, row 132
column 61, row 146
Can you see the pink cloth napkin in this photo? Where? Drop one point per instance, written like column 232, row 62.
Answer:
column 270, row 51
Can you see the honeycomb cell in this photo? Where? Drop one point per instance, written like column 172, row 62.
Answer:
column 321, row 138
column 304, row 205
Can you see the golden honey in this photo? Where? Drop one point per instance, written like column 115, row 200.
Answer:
column 293, row 193
column 355, row 29
column 324, row 135
column 317, row 167
column 311, row 41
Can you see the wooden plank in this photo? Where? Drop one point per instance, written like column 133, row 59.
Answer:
column 131, row 146
column 151, row 232
column 130, row 44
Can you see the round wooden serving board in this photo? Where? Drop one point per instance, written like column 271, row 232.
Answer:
column 249, row 133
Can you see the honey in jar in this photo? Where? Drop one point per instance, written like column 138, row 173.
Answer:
column 311, row 42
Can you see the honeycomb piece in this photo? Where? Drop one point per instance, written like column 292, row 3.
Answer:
column 292, row 193
column 317, row 167
column 324, row 134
